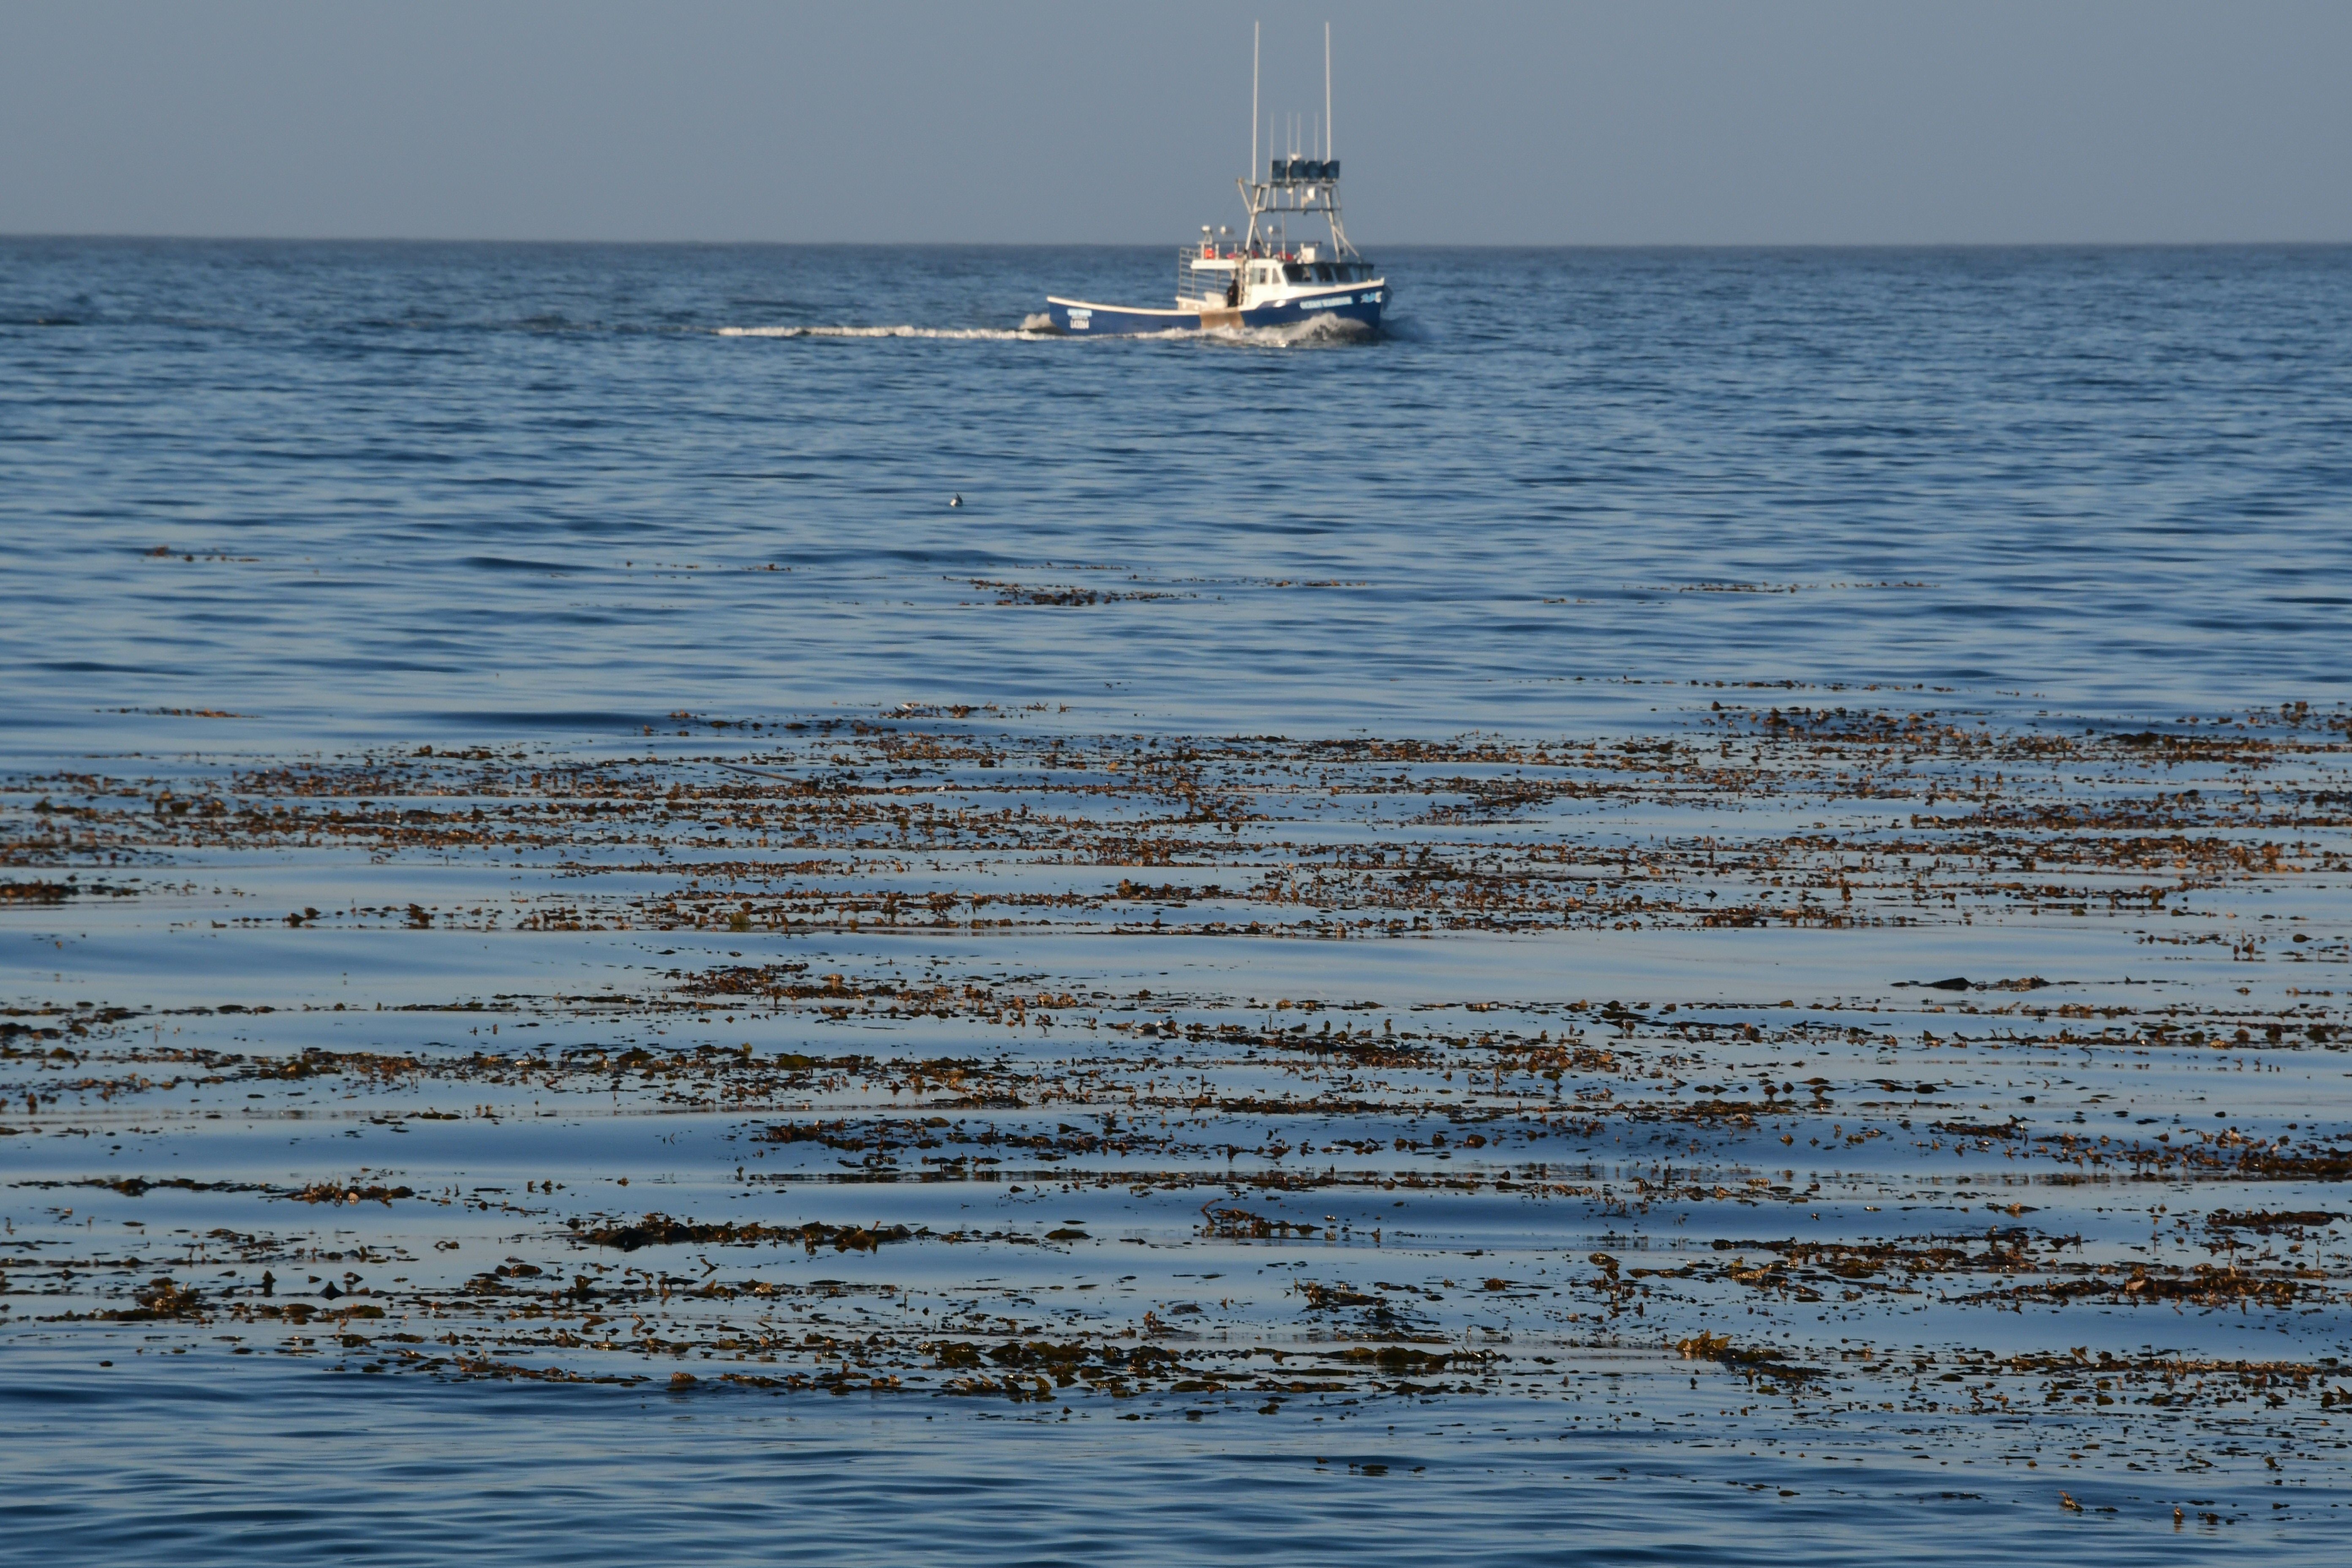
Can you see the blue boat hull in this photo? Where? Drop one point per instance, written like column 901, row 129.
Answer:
column 1083, row 318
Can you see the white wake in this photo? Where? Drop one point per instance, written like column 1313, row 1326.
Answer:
column 1040, row 327
column 969, row 334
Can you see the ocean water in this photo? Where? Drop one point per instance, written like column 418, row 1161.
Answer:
column 409, row 641
column 524, row 486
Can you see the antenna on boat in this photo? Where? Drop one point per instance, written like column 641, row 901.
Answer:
column 1326, row 89
column 1257, row 28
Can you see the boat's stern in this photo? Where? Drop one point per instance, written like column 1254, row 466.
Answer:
column 1083, row 318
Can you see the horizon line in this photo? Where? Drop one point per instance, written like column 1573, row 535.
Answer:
column 8, row 236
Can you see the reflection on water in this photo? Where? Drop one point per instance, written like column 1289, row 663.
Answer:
column 1694, row 911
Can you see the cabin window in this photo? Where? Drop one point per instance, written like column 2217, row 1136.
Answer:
column 1323, row 273
column 1294, row 272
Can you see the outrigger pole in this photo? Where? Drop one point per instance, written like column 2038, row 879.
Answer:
column 1256, row 30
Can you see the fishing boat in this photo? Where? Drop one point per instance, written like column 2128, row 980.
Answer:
column 1263, row 277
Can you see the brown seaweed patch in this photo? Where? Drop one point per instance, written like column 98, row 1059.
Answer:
column 159, row 1299
column 2204, row 1285
column 1758, row 1362
column 138, row 1186
column 1331, row 1298
column 1240, row 1224
column 1400, row 1360
column 2011, row 1129
column 661, row 1230
column 2263, row 1223
column 349, row 1193
column 1033, row 1369
column 2004, row 1252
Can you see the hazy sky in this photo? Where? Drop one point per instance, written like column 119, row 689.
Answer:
column 1663, row 122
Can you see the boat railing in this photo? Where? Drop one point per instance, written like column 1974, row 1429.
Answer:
column 1194, row 282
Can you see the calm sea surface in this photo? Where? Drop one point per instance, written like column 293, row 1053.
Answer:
column 273, row 507
column 525, row 485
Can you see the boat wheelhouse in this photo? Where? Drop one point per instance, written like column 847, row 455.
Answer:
column 1265, row 278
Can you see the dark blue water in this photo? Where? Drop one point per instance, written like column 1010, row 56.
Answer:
column 392, row 1475
column 516, row 486
column 264, row 501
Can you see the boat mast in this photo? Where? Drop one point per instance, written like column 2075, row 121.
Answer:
column 1273, row 192
column 1256, row 30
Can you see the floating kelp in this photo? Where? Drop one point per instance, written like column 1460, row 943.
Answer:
column 898, row 1000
